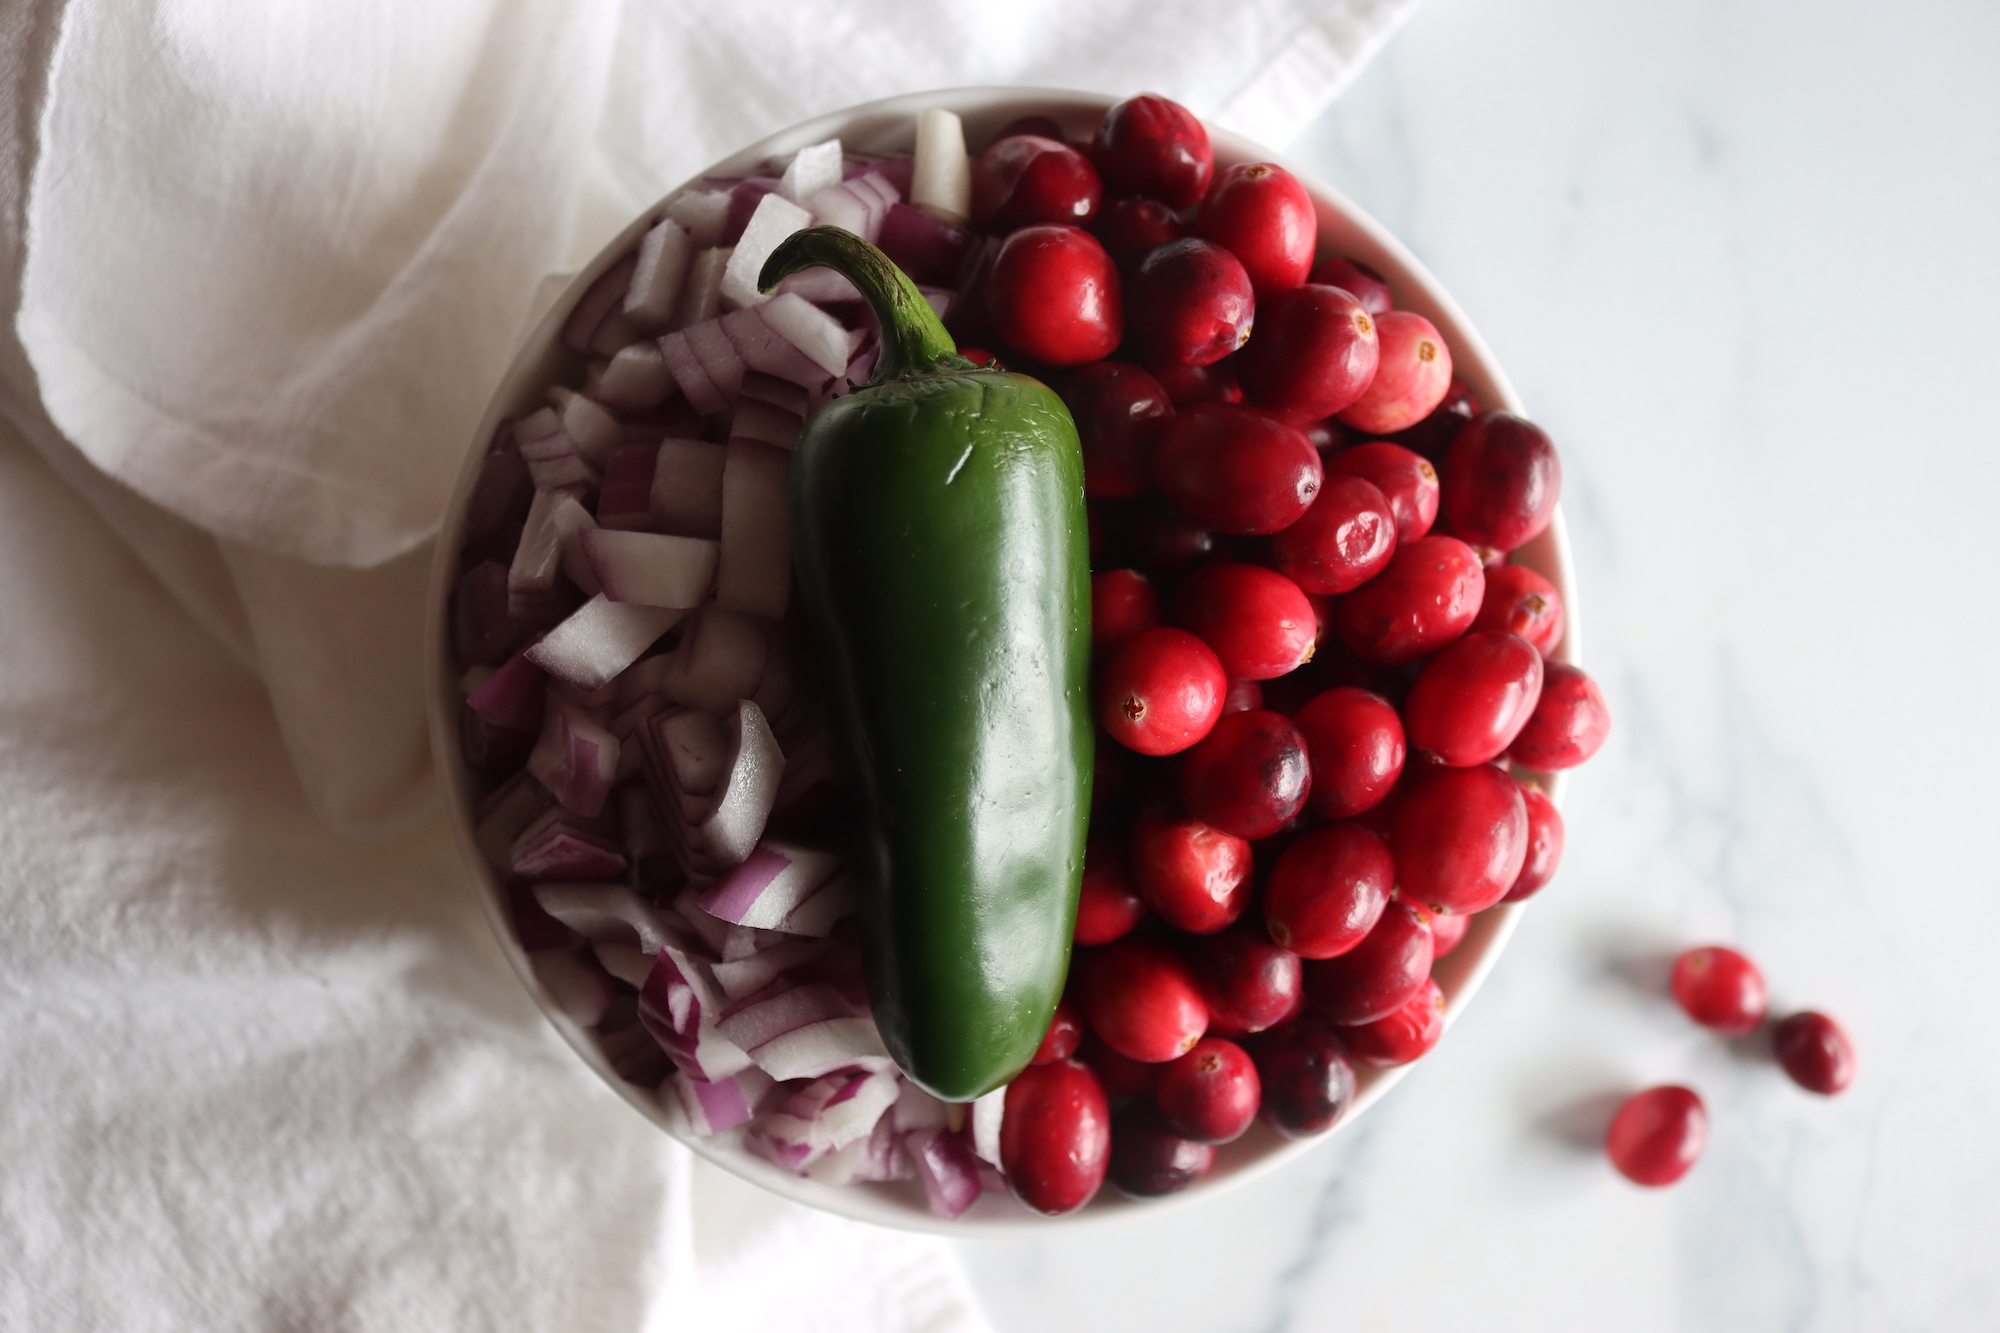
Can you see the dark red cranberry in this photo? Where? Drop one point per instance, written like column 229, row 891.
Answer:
column 1460, row 837
column 1346, row 538
column 1210, row 1094
column 1107, row 905
column 1409, row 482
column 1151, row 146
column 1262, row 215
column 1501, row 481
column 1376, row 977
column 1657, row 1135
column 1212, row 383
column 1426, row 598
column 1412, row 373
column 1362, row 282
column 1545, row 845
column 1164, row 543
column 1569, row 723
column 1355, row 744
column 1149, row 1160
column 1055, row 1136
column 982, row 358
column 1815, row 1052
column 1196, row 876
column 1399, row 1038
column 1122, row 1076
column 1065, row 1034
column 1308, row 1080
column 1161, row 692
column 1133, row 228
column 1235, row 470
column 1520, row 601
column 1118, row 409
column 1123, row 605
column 1447, row 933
column 1257, row 621
column 1026, row 179
column 1248, row 983
column 1053, row 296
column 1190, row 303
column 1720, row 988
column 1328, row 890
column 1432, row 436
column 1142, row 999
column 1313, row 352
column 1248, row 776
column 1473, row 698
column 1243, row 697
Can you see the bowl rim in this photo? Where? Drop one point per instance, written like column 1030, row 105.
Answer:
column 540, row 360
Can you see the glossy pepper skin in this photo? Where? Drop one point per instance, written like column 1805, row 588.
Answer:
column 942, row 550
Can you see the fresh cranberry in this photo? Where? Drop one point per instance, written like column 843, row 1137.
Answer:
column 1194, row 875
column 980, row 357
column 1142, row 999
column 1328, row 890
column 1520, row 601
column 1657, row 1135
column 1248, row 983
column 1164, row 543
column 1355, row 744
column 1426, row 598
column 1262, row 215
column 1244, row 696
column 1107, row 906
column 1473, row 698
column 1122, row 1076
column 1118, row 409
column 1501, row 481
column 1123, row 605
column 1148, row 1159
column 1065, row 1034
column 1248, row 776
column 1313, row 352
column 1053, row 296
column 1151, row 146
column 1409, row 482
column 1815, row 1052
column 1132, row 228
column 1345, row 539
column 1190, row 303
column 1235, row 470
column 1026, row 179
column 1545, row 845
column 1432, row 436
column 1376, row 977
column 1403, row 1036
column 1161, row 692
column 1569, row 723
column 1212, row 383
column 1257, row 621
column 1308, row 1080
column 1358, row 280
column 1460, row 837
column 1412, row 373
column 1720, row 988
column 1055, row 1136
column 1210, row 1094
column 1447, row 933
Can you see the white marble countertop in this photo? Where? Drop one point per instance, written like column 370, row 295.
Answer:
column 1740, row 261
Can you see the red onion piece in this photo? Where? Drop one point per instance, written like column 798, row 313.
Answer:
column 710, row 931
column 503, row 487
column 687, row 371
column 760, row 421
column 821, row 286
column 623, row 962
column 985, row 1117
column 776, row 218
column 819, row 914
column 896, row 172
column 745, row 196
column 556, row 846
column 755, row 574
column 636, row 379
column 768, row 355
column 947, row 1168
column 819, row 1048
column 600, row 639
column 571, row 520
column 651, row 569
column 701, row 293
column 687, row 488
column 880, row 185
column 787, row 395
column 724, row 1104
column 879, row 1156
column 594, row 431
column 808, row 328
column 505, row 812
column 917, row 1109
column 740, row 977
column 728, row 836
column 596, row 303
column 581, row 991
column 704, row 213
column 625, row 499
column 576, row 758
column 812, row 169
column 606, row 914
column 760, row 1021
column 513, row 696
column 481, row 632
column 656, row 279
column 719, row 358
column 773, row 881
column 850, row 209
column 929, row 249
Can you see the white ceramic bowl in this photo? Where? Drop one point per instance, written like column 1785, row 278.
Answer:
column 889, row 125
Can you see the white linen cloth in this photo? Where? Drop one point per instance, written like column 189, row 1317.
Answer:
column 263, row 265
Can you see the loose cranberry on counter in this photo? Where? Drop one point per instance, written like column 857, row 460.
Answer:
column 1196, row 876
column 1161, row 692
column 1027, row 179
column 1408, row 481
column 1432, row 436
column 1143, row 1000
column 1473, row 698
column 1123, row 1077
column 1189, row 304
column 1235, row 470
column 1055, row 1136
column 1569, row 723
column 1262, row 215
column 1248, row 983
column 1362, row 282
column 1815, row 1052
column 1657, row 1135
column 1148, row 1159
column 1447, row 933
column 1412, row 373
column 1313, row 352
column 1545, row 845
column 1346, row 538
column 1307, row 1077
column 1123, row 605
column 1355, row 744
column 1460, row 838
column 1426, row 598
column 1210, row 1094
column 1257, row 621
column 1212, row 383
column 1107, row 905
column 1132, row 228
column 1244, row 696
column 1065, row 1034
column 1151, row 146
column 1328, row 890
column 1053, row 296
column 1118, row 409
column 1520, row 601
column 1501, row 481
column 1720, row 988
column 1401, row 1037
column 1249, row 776
column 1376, row 977
column 1163, row 542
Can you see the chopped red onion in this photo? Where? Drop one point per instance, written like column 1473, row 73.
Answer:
column 818, row 914
column 571, row 520
column 851, row 209
column 812, row 169
column 656, row 280
column 941, row 171
column 513, row 696
column 762, row 1019
column 729, row 835
column 745, row 197
column 649, row 851
column 687, row 370
column 986, row 1114
column 710, row 931
column 481, row 633
column 785, row 394
column 821, row 1047
column 756, row 420
column 576, row 758
column 703, row 212
column 808, row 328
column 505, row 812
column 557, row 846
column 596, row 303
column 755, row 574
column 739, row 977
column 718, row 357
column 879, row 1156
column 531, row 580
column 582, row 992
column 650, row 568
column 594, row 431
column 669, row 1004
column 606, row 914
column 879, row 186
column 721, row 659
column 768, row 355
column 625, row 499
column 600, row 639
column 821, row 286
column 862, row 368
column 502, row 489
column 776, row 218
column 724, row 1104
column 614, row 334
column 701, row 296
column 696, row 747
column 633, row 1054
column 637, row 378
column 917, row 1109
column 896, row 172
column 741, row 942
column 598, row 701
column 686, row 498
column 947, row 1168
column 764, row 890
column 624, row 962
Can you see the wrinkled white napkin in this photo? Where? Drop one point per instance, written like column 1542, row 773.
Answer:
column 263, row 265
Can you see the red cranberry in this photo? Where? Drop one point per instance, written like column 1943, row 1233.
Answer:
column 1194, row 875
column 1358, row 280
column 1657, row 1135
column 1210, row 1094
column 1314, row 351
column 1118, row 409
column 1425, row 598
column 1055, row 1136
column 1247, row 982
column 1328, row 891
column 1235, row 470
column 1412, row 373
column 1447, row 933
column 1065, row 1034
column 1123, row 605
column 1164, row 543
column 1190, row 303
column 1212, row 383
column 1244, row 696
column 1460, row 837
column 1026, row 179
column 1262, row 215
column 1720, row 988
column 1816, row 1052
column 1248, row 776
column 1568, row 725
column 1432, row 436
column 1409, row 482
column 1257, row 621
column 1131, row 228
column 1142, row 999
column 1148, row 1159
column 1545, row 845
column 1122, row 1076
column 1376, row 977
column 1161, row 692
column 980, row 357
column 1151, row 146
column 1053, row 296
column 1403, row 1036
column 1355, row 744
column 1107, row 906
column 1520, row 601
column 1501, row 481
column 1345, row 539
column 1473, row 698
column 1308, row 1080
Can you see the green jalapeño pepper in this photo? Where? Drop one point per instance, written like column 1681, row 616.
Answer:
column 939, row 533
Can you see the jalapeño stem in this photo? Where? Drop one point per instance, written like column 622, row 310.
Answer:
column 914, row 341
